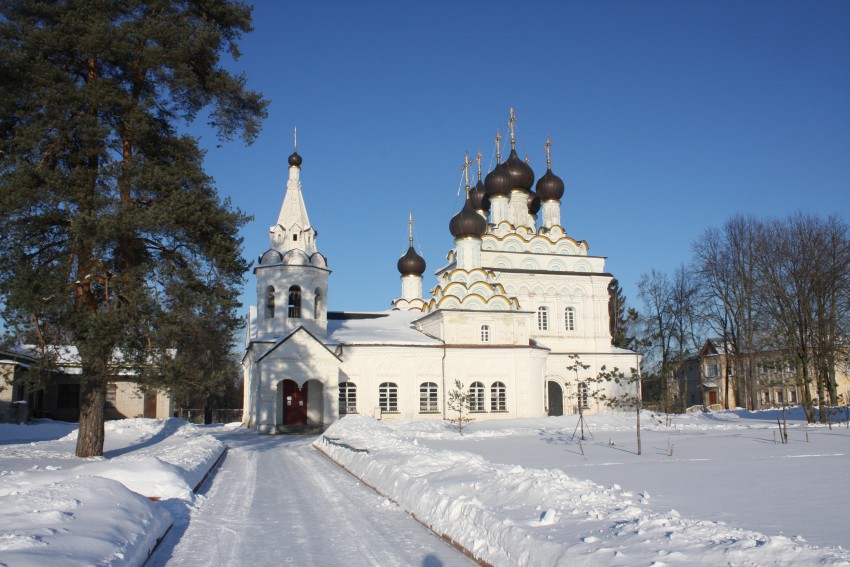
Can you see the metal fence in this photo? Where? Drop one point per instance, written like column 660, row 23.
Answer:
column 218, row 415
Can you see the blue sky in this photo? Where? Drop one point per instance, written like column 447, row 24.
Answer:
column 666, row 118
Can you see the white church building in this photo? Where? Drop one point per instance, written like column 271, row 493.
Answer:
column 517, row 297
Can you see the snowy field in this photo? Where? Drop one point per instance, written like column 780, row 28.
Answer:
column 709, row 489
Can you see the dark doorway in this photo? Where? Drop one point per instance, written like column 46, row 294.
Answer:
column 712, row 397
column 556, row 399
column 294, row 403
column 150, row 405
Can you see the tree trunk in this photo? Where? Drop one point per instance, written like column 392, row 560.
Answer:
column 90, row 437
column 208, row 411
column 807, row 393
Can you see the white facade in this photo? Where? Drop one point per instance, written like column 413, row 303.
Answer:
column 505, row 314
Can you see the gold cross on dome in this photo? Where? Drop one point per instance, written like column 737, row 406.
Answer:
column 478, row 159
column 295, row 139
column 466, row 163
column 410, row 229
column 548, row 147
column 511, row 121
column 498, row 147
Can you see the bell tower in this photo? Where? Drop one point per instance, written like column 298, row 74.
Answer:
column 292, row 275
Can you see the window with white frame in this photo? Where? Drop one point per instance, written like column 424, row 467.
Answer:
column 347, row 398
column 476, row 397
column 542, row 319
column 485, row 333
column 428, row 398
column 711, row 370
column 570, row 318
column 388, row 397
column 498, row 393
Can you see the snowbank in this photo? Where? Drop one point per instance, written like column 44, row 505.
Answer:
column 56, row 511
column 511, row 515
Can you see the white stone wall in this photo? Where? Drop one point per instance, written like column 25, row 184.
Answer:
column 521, row 370
column 463, row 327
column 556, row 370
column 282, row 277
column 300, row 359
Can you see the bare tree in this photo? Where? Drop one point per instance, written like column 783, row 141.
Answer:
column 804, row 270
column 684, row 332
column 713, row 268
column 654, row 291
column 726, row 261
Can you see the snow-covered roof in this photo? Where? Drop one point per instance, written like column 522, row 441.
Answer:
column 618, row 350
column 386, row 328
column 67, row 358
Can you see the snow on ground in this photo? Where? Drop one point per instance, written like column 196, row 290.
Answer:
column 56, row 509
column 521, row 492
column 276, row 501
column 708, row 489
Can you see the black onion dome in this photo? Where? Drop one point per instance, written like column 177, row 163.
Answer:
column 295, row 159
column 534, row 204
column 498, row 181
column 479, row 198
column 550, row 187
column 522, row 177
column 467, row 222
column 411, row 264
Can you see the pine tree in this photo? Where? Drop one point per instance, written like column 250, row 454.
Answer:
column 621, row 320
column 622, row 392
column 111, row 228
column 460, row 403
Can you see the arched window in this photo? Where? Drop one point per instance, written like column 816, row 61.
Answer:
column 270, row 302
column 476, row 397
column 347, row 398
column 542, row 319
column 485, row 333
column 428, row 398
column 570, row 318
column 317, row 304
column 497, row 397
column 582, row 395
column 294, row 302
column 388, row 397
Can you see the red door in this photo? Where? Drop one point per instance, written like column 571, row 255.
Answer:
column 294, row 403
column 712, row 397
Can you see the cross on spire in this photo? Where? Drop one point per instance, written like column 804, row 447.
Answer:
column 511, row 121
column 466, row 163
column 410, row 229
column 295, row 139
column 548, row 146
column 478, row 159
column 498, row 147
